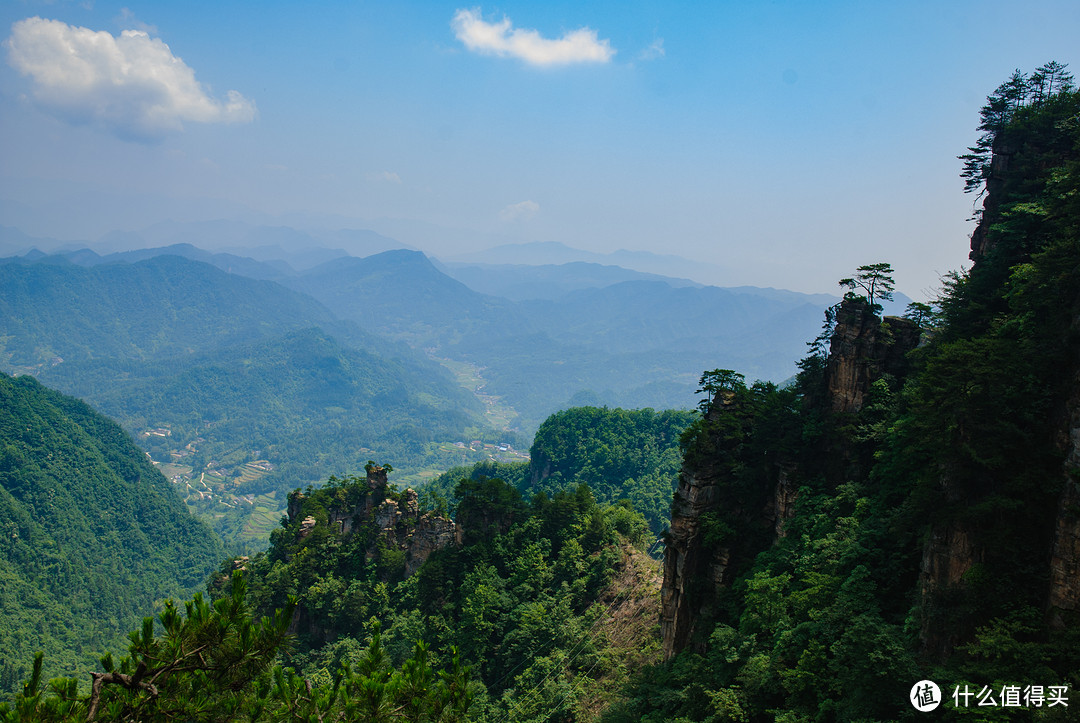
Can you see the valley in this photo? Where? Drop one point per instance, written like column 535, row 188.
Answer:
column 318, row 486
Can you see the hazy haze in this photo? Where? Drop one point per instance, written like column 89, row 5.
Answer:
column 779, row 144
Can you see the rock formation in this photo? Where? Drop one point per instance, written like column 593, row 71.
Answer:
column 862, row 348
column 1063, row 600
column 395, row 518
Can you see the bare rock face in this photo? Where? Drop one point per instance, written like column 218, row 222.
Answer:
column 981, row 242
column 695, row 569
column 949, row 553
column 783, row 506
column 1063, row 601
column 1064, row 597
column 686, row 560
column 862, row 348
column 432, row 533
column 396, row 518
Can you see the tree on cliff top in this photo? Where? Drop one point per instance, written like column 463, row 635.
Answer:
column 1019, row 91
column 874, row 279
column 717, row 381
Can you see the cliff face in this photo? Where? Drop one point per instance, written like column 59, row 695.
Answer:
column 1063, row 600
column 691, row 571
column 699, row 562
column 697, row 567
column 397, row 522
column 862, row 348
column 391, row 522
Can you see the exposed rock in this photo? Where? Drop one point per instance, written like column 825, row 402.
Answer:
column 396, row 520
column 387, row 515
column 981, row 240
column 783, row 505
column 686, row 562
column 862, row 349
column 695, row 571
column 1063, row 600
column 949, row 553
column 376, row 477
column 1064, row 594
column 431, row 533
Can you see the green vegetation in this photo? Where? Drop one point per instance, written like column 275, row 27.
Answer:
column 164, row 307
column 527, row 599
column 620, row 454
column 214, row 663
column 91, row 535
column 874, row 280
column 623, row 455
column 248, row 389
column 844, row 550
column 919, row 543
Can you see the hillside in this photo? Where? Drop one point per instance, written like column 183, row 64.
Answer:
column 907, row 510
column 241, row 388
column 92, row 535
column 53, row 311
column 549, row 602
column 635, row 342
column 625, row 456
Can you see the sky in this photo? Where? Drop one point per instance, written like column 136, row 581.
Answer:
column 773, row 143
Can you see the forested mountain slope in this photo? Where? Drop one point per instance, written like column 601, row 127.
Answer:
column 624, row 456
column 53, row 311
column 547, row 601
column 637, row 343
column 92, row 537
column 907, row 511
column 242, row 388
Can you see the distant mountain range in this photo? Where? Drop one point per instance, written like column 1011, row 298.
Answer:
column 539, row 253
column 242, row 388
column 247, row 376
column 536, row 335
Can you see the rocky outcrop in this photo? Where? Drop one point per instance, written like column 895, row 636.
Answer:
column 431, row 533
column 395, row 520
column 687, row 563
column 1063, row 600
column 699, row 562
column 783, row 503
column 948, row 555
column 862, row 349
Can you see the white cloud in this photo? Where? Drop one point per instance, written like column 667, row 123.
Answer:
column 391, row 177
column 654, row 51
column 503, row 40
column 520, row 211
column 130, row 84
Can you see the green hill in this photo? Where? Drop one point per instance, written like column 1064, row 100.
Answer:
column 227, row 381
column 91, row 535
column 54, row 312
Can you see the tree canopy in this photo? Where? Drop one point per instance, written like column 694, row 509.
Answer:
column 874, row 280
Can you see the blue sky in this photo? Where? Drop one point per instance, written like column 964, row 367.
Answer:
column 777, row 143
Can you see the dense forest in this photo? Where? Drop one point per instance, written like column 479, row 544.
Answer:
column 92, row 537
column 905, row 510
column 243, row 388
column 622, row 455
